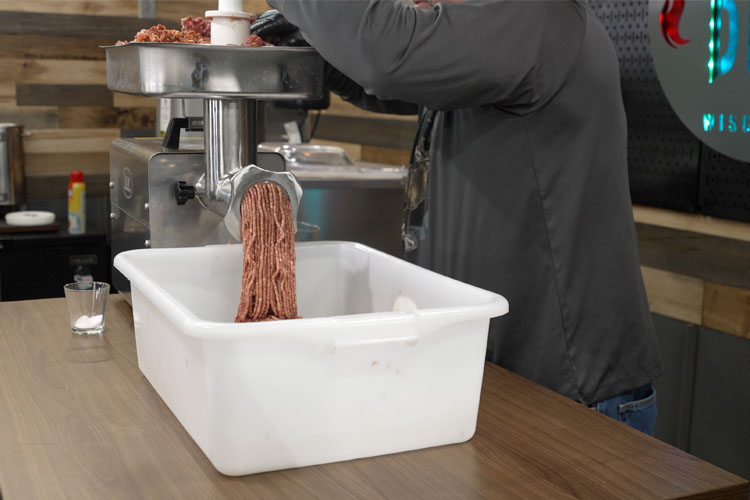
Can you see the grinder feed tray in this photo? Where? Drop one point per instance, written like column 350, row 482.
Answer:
column 197, row 71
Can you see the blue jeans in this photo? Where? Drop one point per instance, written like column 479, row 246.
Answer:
column 636, row 408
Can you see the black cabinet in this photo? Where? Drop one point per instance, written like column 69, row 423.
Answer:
column 720, row 427
column 37, row 265
column 674, row 389
column 704, row 395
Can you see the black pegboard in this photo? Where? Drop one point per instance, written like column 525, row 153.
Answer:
column 663, row 156
column 724, row 186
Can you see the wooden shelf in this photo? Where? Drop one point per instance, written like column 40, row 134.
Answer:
column 696, row 223
column 697, row 278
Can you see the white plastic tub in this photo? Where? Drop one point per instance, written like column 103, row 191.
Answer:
column 351, row 379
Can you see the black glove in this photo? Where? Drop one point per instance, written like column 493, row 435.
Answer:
column 273, row 28
column 349, row 90
column 338, row 82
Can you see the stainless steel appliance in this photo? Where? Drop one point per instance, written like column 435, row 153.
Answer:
column 349, row 200
column 11, row 165
column 153, row 182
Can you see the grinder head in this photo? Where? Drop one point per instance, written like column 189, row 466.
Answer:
column 246, row 178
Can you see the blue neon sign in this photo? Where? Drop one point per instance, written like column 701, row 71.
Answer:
column 717, row 64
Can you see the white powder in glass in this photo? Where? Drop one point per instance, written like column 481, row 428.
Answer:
column 87, row 322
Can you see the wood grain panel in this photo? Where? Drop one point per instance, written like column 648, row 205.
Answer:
column 388, row 156
column 696, row 223
column 7, row 93
column 50, row 187
column 710, row 258
column 177, row 9
column 46, row 164
column 133, row 101
column 37, row 94
column 87, row 7
column 45, row 187
column 106, row 26
column 396, row 134
column 342, row 108
column 257, row 6
column 727, row 309
column 101, row 117
column 674, row 295
column 53, row 71
column 52, row 47
column 29, row 116
column 80, row 421
column 70, row 140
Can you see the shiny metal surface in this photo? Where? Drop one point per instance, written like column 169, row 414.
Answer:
column 229, row 79
column 361, row 175
column 127, row 234
column 128, row 176
column 152, row 172
column 245, row 179
column 230, row 144
column 309, row 154
column 213, row 71
column 11, row 164
column 317, row 165
column 361, row 204
column 228, row 132
column 371, row 216
column 175, row 225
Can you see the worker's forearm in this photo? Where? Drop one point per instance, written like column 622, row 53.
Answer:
column 352, row 92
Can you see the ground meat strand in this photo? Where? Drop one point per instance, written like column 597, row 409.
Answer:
column 269, row 287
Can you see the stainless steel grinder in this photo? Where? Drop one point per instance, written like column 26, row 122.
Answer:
column 11, row 165
column 175, row 193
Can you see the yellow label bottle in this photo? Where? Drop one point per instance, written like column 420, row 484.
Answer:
column 77, row 208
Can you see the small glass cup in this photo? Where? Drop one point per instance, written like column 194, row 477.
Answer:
column 87, row 303
column 307, row 232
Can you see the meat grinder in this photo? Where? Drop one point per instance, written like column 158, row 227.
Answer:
column 187, row 192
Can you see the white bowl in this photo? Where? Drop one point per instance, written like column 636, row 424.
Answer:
column 29, row 218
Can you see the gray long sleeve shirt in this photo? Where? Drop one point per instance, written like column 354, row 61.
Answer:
column 528, row 192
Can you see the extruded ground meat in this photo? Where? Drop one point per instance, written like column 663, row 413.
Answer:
column 269, row 284
column 254, row 41
column 197, row 24
column 194, row 30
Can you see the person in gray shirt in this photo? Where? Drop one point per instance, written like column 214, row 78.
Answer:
column 518, row 182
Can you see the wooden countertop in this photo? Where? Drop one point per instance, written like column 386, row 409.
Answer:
column 78, row 420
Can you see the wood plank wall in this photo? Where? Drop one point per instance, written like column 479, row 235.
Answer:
column 53, row 81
